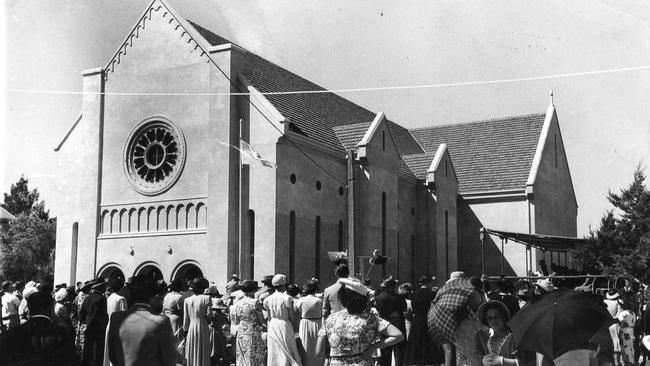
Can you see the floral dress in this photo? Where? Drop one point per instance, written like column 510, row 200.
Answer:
column 251, row 350
column 626, row 336
column 350, row 336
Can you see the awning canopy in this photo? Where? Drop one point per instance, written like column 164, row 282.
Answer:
column 539, row 241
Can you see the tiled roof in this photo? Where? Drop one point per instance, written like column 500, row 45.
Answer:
column 492, row 155
column 419, row 163
column 313, row 115
column 350, row 135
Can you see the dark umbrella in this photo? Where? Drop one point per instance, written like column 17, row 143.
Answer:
column 560, row 321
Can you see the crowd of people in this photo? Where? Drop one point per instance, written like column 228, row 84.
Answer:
column 145, row 321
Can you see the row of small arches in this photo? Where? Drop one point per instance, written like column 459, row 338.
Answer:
column 154, row 218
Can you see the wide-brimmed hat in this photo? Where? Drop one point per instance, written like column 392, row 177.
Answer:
column 267, row 280
column 456, row 275
column 482, row 311
column 279, row 280
column 612, row 295
column 353, row 285
column 249, row 286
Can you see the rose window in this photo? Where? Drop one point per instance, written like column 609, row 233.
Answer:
column 154, row 156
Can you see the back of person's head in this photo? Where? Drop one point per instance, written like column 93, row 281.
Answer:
column 293, row 290
column 354, row 302
column 502, row 286
column 199, row 285
column 19, row 285
column 342, row 270
column 115, row 284
column 142, row 289
column 6, row 285
column 176, row 286
column 46, row 286
column 310, row 287
column 40, row 303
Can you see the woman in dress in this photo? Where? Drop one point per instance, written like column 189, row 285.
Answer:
column 420, row 347
column 197, row 313
column 497, row 342
column 247, row 321
column 351, row 336
column 310, row 308
column 281, row 341
column 172, row 306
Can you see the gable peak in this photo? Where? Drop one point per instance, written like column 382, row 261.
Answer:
column 174, row 21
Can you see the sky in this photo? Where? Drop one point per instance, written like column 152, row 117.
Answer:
column 452, row 61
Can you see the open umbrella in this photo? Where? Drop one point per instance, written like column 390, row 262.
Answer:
column 450, row 307
column 559, row 321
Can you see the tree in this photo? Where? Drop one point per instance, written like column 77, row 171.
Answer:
column 27, row 245
column 21, row 200
column 621, row 245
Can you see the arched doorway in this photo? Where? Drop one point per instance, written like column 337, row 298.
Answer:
column 187, row 271
column 110, row 271
column 149, row 269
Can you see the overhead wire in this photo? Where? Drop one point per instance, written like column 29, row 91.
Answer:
column 348, row 90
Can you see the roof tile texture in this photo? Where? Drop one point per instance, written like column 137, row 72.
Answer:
column 492, row 155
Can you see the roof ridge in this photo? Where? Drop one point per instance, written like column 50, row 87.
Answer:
column 507, row 118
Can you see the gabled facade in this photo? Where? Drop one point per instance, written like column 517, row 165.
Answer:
column 161, row 187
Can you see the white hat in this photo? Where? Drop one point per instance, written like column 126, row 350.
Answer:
column 456, row 275
column 60, row 295
column 279, row 280
column 354, row 285
column 546, row 284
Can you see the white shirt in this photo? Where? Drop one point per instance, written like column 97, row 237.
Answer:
column 10, row 305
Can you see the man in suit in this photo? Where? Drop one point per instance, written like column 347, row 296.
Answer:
column 138, row 337
column 93, row 314
column 331, row 302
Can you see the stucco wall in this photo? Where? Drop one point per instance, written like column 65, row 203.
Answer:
column 79, row 158
column 162, row 59
column 554, row 200
column 307, row 202
column 410, row 268
column 379, row 176
column 446, row 196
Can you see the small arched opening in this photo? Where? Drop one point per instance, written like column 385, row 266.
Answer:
column 150, row 269
column 187, row 271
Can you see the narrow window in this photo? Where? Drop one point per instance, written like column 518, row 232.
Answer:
column 341, row 233
column 446, row 241
column 317, row 249
column 383, row 230
column 446, row 169
column 251, row 244
column 73, row 253
column 398, row 251
column 292, row 244
column 383, row 140
column 413, row 256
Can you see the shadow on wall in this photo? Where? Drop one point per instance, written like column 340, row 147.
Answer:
column 469, row 246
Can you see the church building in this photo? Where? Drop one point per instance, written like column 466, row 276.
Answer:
column 162, row 184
